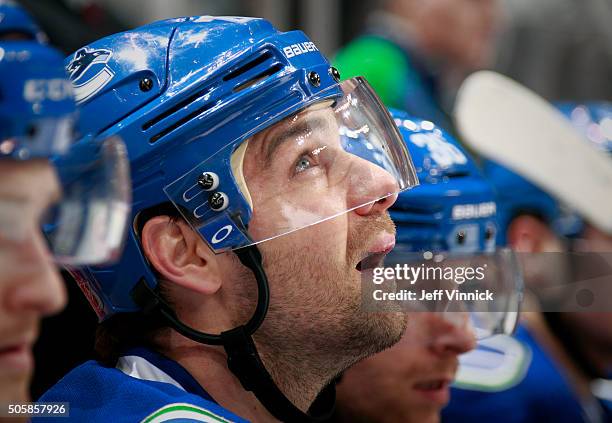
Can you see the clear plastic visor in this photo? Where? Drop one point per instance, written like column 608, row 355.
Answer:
column 335, row 156
column 88, row 224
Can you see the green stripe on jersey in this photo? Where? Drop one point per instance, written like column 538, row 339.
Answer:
column 183, row 411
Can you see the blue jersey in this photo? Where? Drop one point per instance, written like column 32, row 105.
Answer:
column 143, row 387
column 536, row 390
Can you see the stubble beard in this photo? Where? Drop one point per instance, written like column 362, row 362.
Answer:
column 315, row 327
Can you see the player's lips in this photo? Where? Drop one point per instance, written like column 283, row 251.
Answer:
column 16, row 356
column 374, row 257
column 434, row 390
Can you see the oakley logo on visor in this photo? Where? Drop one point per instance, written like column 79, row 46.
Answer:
column 89, row 72
column 221, row 234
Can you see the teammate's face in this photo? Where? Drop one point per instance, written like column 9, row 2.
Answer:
column 409, row 382
column 30, row 285
column 313, row 272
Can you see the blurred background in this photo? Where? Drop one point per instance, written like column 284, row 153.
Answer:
column 73, row 23
column 564, row 46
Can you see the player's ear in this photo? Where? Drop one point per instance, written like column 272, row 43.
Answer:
column 530, row 234
column 178, row 253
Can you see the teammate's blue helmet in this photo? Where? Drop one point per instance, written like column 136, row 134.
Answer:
column 37, row 111
column 452, row 213
column 516, row 195
column 14, row 21
column 453, row 208
column 37, row 121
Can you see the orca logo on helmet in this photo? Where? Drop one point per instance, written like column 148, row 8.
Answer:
column 89, row 72
column 442, row 152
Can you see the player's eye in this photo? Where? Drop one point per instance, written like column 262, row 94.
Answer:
column 303, row 163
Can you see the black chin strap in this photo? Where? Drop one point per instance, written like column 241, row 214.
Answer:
column 242, row 357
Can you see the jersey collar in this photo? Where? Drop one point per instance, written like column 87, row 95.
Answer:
column 146, row 364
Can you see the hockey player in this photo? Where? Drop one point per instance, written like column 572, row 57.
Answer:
column 562, row 353
column 452, row 211
column 413, row 51
column 78, row 192
column 261, row 183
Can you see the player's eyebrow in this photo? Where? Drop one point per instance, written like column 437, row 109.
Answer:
column 302, row 127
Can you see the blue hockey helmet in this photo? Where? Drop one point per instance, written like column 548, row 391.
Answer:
column 37, row 121
column 37, row 111
column 189, row 95
column 454, row 207
column 451, row 216
column 14, row 21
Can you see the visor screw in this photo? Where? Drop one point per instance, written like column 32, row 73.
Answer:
column 146, row 84
column 314, row 79
column 218, row 201
column 208, row 181
column 335, row 74
column 461, row 237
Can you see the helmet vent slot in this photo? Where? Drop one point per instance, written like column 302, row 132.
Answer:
column 247, row 67
column 180, row 122
column 174, row 109
column 260, row 77
column 248, row 74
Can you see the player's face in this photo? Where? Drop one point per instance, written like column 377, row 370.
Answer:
column 30, row 286
column 313, row 272
column 410, row 381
